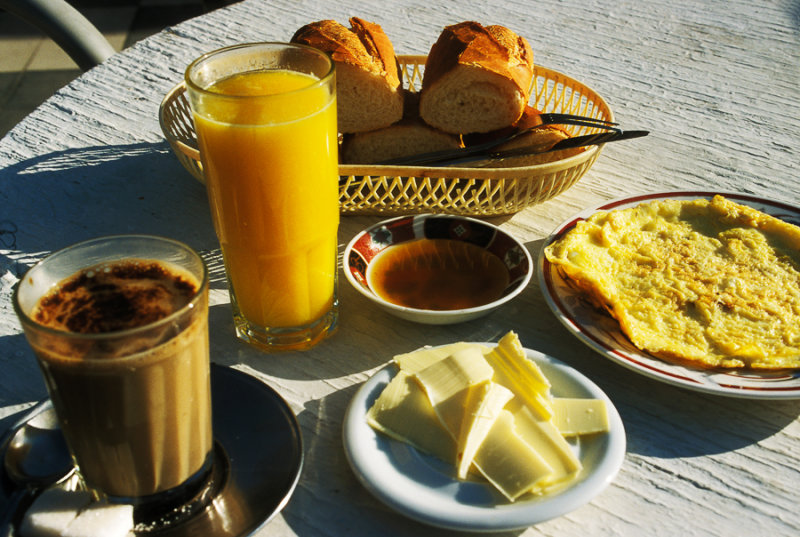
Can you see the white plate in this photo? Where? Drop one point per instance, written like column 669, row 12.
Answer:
column 601, row 332
column 425, row 489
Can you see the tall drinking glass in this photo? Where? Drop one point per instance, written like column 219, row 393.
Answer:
column 265, row 117
column 119, row 326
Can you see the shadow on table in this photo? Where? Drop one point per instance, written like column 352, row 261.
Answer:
column 368, row 338
column 668, row 422
column 60, row 198
column 20, row 370
column 794, row 12
column 329, row 495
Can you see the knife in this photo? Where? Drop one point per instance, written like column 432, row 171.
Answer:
column 472, row 154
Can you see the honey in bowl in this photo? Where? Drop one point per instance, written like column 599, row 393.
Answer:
column 437, row 274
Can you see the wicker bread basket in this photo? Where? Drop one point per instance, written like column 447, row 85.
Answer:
column 394, row 190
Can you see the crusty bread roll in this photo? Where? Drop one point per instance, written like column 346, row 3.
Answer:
column 477, row 79
column 368, row 77
column 410, row 136
column 539, row 139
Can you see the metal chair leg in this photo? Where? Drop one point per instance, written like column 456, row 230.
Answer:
column 66, row 26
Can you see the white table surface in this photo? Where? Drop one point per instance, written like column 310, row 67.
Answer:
column 716, row 83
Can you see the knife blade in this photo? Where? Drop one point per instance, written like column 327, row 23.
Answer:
column 455, row 157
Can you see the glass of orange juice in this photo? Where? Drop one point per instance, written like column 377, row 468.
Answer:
column 265, row 117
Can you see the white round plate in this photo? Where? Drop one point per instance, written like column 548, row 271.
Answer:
column 602, row 333
column 425, row 488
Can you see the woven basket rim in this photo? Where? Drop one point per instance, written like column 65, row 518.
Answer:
column 186, row 149
column 420, row 189
column 438, row 171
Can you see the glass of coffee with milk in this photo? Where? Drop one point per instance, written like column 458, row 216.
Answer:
column 119, row 326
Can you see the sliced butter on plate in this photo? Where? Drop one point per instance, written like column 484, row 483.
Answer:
column 578, row 417
column 483, row 415
column 454, row 386
column 487, row 409
column 547, row 441
column 416, row 484
column 520, row 375
column 415, row 361
column 403, row 412
column 460, row 390
column 508, row 462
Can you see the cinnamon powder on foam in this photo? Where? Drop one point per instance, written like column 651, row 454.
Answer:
column 114, row 297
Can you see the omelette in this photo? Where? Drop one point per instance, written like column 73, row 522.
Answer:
column 709, row 283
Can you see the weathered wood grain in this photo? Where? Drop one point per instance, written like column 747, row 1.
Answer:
column 716, row 82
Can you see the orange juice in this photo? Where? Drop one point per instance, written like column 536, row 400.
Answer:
column 268, row 144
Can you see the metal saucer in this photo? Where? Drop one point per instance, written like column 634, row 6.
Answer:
column 259, row 458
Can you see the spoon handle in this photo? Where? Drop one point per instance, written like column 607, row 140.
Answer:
column 19, row 496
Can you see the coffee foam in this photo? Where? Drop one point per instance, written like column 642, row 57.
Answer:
column 114, row 297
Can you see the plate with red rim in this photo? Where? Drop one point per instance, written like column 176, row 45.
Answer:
column 601, row 332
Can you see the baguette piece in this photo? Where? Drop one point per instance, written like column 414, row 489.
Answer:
column 410, row 136
column 368, row 76
column 477, row 79
column 539, row 139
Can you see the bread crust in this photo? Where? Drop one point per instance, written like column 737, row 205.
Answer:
column 369, row 79
column 379, row 47
column 494, row 50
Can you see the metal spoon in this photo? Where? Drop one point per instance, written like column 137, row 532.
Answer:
column 35, row 457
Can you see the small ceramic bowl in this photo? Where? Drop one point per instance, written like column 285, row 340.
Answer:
column 368, row 244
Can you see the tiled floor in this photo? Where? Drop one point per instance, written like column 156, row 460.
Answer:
column 33, row 67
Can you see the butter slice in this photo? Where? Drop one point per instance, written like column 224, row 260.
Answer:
column 415, row 361
column 461, row 392
column 508, row 462
column 481, row 416
column 520, row 375
column 575, row 417
column 449, row 383
column 403, row 412
column 544, row 438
